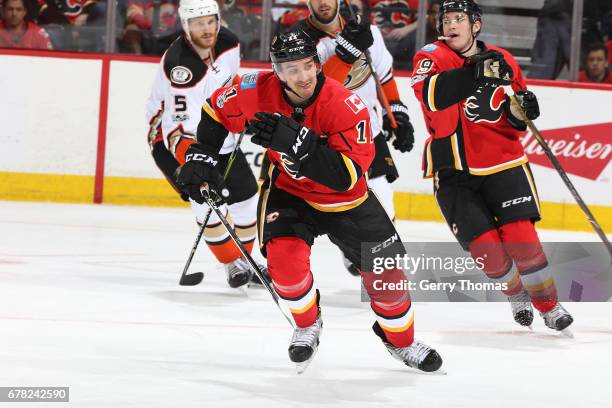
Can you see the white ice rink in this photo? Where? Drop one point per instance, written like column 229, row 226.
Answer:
column 89, row 298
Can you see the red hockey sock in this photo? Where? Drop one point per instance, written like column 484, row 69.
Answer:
column 487, row 249
column 523, row 245
column 289, row 268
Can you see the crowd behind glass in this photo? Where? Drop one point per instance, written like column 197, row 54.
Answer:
column 538, row 32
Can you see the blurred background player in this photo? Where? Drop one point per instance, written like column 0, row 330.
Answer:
column 319, row 143
column 205, row 58
column 341, row 46
column 482, row 181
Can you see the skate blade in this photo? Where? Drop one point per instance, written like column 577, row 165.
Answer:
column 567, row 333
column 301, row 367
column 530, row 328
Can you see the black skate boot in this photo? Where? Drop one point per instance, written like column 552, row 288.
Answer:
column 558, row 319
column 350, row 267
column 417, row 355
column 521, row 308
column 238, row 273
column 255, row 281
column 304, row 344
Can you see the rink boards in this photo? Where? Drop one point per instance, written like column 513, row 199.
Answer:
column 74, row 130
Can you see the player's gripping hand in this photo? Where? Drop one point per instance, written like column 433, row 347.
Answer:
column 528, row 102
column 404, row 133
column 284, row 135
column 489, row 66
column 355, row 38
column 200, row 172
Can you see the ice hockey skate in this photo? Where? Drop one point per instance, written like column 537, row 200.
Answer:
column 558, row 319
column 521, row 308
column 417, row 355
column 255, row 281
column 353, row 270
column 238, row 273
column 304, row 344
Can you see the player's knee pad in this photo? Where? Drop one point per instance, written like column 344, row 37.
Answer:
column 488, row 252
column 389, row 289
column 289, row 264
column 384, row 192
column 521, row 242
column 244, row 214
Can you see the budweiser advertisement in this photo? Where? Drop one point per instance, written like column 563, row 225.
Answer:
column 583, row 151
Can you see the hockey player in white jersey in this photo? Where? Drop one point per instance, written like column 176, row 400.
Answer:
column 341, row 45
column 206, row 57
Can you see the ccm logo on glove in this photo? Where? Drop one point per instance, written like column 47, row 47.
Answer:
column 202, row 158
column 300, row 139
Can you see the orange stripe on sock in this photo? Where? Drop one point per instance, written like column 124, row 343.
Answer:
column 225, row 252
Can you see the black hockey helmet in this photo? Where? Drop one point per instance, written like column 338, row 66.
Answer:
column 469, row 7
column 293, row 45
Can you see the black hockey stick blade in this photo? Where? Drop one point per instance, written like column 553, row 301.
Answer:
column 191, row 279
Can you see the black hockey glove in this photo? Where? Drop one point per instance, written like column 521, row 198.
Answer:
column 528, row 103
column 200, row 171
column 490, row 66
column 284, row 135
column 355, row 38
column 404, row 133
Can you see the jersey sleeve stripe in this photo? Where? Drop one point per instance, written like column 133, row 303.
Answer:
column 455, row 147
column 430, row 88
column 350, row 166
column 210, row 111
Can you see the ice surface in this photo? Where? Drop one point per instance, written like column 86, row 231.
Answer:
column 89, row 298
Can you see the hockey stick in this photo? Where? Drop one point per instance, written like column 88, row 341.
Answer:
column 381, row 94
column 196, row 278
column 211, row 203
column 555, row 162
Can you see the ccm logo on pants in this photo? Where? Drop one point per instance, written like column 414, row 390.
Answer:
column 516, row 201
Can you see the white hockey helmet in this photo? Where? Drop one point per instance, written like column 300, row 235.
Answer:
column 197, row 8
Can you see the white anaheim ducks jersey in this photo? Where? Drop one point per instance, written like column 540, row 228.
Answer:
column 359, row 79
column 183, row 83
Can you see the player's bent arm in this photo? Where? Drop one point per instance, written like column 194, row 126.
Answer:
column 447, row 88
column 331, row 169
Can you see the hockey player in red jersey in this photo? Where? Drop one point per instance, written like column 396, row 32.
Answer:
column 342, row 43
column 482, row 181
column 319, row 143
column 205, row 58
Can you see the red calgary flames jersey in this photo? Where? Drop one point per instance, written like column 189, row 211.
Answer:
column 473, row 135
column 336, row 115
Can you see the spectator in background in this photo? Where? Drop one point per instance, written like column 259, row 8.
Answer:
column 245, row 25
column 151, row 26
column 596, row 65
column 74, row 24
column 551, row 50
column 16, row 31
column 397, row 22
column 431, row 33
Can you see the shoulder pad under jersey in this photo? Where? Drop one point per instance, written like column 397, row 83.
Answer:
column 182, row 65
column 226, row 40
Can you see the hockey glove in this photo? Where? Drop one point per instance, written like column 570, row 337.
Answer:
column 284, row 135
column 200, row 172
column 529, row 104
column 490, row 66
column 355, row 38
column 404, row 133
